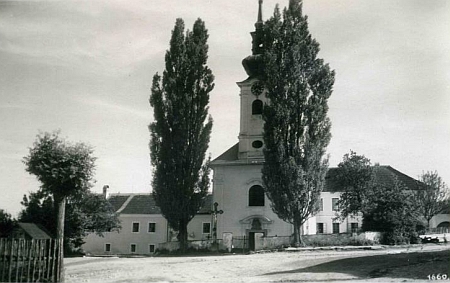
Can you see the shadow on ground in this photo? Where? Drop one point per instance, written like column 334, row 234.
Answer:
column 417, row 265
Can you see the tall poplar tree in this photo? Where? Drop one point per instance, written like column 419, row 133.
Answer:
column 296, row 129
column 181, row 129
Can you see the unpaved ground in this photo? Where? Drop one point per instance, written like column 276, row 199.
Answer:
column 387, row 265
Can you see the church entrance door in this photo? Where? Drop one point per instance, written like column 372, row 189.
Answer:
column 256, row 232
column 251, row 241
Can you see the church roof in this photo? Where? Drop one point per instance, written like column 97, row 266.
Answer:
column 230, row 155
column 145, row 204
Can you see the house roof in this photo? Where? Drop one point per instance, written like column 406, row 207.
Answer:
column 145, row 204
column 384, row 174
column 117, row 201
column 33, row 230
column 207, row 206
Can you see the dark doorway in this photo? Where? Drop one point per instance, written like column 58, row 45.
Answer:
column 252, row 236
column 251, row 241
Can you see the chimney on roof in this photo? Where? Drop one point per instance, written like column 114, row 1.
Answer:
column 105, row 191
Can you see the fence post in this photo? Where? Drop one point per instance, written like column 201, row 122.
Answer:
column 30, row 254
column 11, row 251
column 48, row 253
column 54, row 261
column 58, row 262
column 4, row 248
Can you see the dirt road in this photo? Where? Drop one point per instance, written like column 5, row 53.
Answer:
column 393, row 264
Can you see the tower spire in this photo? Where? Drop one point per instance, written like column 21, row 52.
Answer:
column 257, row 34
column 259, row 22
column 252, row 64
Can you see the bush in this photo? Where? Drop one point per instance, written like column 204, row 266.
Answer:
column 336, row 240
column 397, row 238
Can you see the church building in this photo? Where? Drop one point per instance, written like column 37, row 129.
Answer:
column 237, row 182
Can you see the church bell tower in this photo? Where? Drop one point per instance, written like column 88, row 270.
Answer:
column 252, row 98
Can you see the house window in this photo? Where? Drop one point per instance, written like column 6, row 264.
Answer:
column 133, row 248
column 257, row 107
column 107, row 247
column 319, row 228
column 335, row 205
column 135, row 227
column 151, row 248
column 151, row 227
column 336, row 228
column 206, row 228
column 256, row 196
column 321, row 205
column 354, row 227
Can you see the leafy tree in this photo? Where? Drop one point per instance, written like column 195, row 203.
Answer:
column 64, row 170
column 433, row 195
column 90, row 213
column 181, row 129
column 385, row 203
column 6, row 223
column 390, row 208
column 297, row 129
column 354, row 177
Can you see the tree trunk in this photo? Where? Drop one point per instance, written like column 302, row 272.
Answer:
column 297, row 235
column 61, row 204
column 183, row 236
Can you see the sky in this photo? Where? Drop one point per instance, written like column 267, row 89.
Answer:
column 85, row 68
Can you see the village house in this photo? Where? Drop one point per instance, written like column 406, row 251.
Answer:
column 143, row 227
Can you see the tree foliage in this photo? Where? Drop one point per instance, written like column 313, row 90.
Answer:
column 181, row 129
column 88, row 213
column 432, row 198
column 6, row 223
column 391, row 208
column 385, row 203
column 297, row 129
column 64, row 169
column 355, row 176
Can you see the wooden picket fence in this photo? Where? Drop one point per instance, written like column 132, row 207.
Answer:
column 29, row 260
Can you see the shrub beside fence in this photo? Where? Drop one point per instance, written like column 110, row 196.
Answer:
column 29, row 260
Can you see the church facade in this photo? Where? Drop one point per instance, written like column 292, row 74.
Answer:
column 237, row 183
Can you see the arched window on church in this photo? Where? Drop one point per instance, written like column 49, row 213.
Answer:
column 257, row 107
column 256, row 196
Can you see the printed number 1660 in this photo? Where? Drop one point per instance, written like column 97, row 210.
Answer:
column 437, row 276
